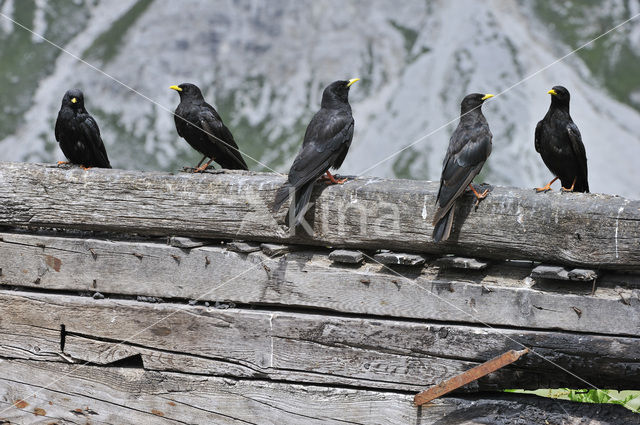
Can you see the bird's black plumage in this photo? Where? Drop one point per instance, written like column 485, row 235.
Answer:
column 469, row 148
column 326, row 143
column 201, row 126
column 78, row 133
column 559, row 142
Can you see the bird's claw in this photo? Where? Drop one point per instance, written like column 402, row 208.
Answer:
column 480, row 197
column 572, row 186
column 547, row 187
column 63, row 163
column 200, row 169
column 335, row 181
column 331, row 179
column 203, row 167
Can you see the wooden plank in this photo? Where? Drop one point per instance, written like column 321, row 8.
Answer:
column 590, row 230
column 346, row 256
column 544, row 271
column 399, row 355
column 499, row 295
column 66, row 394
column 273, row 250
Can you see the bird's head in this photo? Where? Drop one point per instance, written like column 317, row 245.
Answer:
column 473, row 101
column 559, row 95
column 338, row 91
column 73, row 98
column 188, row 91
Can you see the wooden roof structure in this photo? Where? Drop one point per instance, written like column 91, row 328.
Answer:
column 144, row 297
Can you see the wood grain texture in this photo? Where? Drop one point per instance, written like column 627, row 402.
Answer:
column 591, row 230
column 502, row 295
column 297, row 347
column 67, row 394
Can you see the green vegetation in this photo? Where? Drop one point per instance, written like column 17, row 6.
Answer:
column 252, row 137
column 628, row 399
column 20, row 73
column 410, row 35
column 611, row 58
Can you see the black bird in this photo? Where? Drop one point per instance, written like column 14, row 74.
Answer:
column 78, row 133
column 201, row 126
column 326, row 143
column 469, row 148
column 560, row 145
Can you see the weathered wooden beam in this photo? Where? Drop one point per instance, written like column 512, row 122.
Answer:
column 590, row 230
column 296, row 347
column 66, row 394
column 501, row 295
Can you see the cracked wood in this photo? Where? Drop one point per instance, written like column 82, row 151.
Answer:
column 503, row 294
column 301, row 347
column 69, row 395
column 592, row 230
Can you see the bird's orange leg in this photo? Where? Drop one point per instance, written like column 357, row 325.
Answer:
column 479, row 196
column 547, row 187
column 201, row 161
column 203, row 167
column 63, row 162
column 332, row 179
column 572, row 186
column 85, row 168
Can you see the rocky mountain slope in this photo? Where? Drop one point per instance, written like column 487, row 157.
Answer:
column 264, row 64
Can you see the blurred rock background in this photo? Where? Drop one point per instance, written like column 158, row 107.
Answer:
column 263, row 65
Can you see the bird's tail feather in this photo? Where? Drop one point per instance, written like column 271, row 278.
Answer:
column 582, row 185
column 442, row 229
column 281, row 196
column 240, row 163
column 302, row 200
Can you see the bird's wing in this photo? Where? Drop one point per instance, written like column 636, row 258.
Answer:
column 91, row 132
column 459, row 170
column 58, row 130
column 538, row 136
column 180, row 123
column 578, row 148
column 220, row 135
column 324, row 141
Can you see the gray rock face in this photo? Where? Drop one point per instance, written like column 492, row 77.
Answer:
column 263, row 65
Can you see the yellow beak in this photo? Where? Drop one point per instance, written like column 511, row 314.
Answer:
column 176, row 88
column 353, row 80
column 74, row 100
column 552, row 92
column 486, row 96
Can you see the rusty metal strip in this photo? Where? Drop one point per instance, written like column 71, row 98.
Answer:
column 469, row 376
